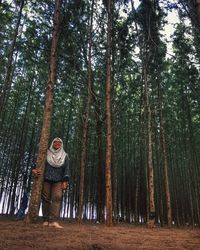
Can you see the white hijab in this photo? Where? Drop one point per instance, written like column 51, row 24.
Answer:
column 56, row 158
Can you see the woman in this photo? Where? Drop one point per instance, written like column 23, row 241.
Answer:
column 56, row 179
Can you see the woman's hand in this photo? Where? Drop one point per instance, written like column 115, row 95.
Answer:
column 36, row 172
column 64, row 185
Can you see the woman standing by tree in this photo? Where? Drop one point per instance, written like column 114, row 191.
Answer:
column 56, row 179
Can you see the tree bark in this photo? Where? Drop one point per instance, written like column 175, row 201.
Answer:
column 108, row 121
column 165, row 161
column 86, row 123
column 150, row 169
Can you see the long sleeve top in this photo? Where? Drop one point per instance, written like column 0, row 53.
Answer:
column 56, row 174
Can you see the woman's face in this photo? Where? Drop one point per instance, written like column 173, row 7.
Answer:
column 57, row 144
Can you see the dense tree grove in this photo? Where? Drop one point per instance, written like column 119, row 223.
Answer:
column 127, row 109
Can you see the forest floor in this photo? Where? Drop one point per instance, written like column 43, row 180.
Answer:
column 90, row 236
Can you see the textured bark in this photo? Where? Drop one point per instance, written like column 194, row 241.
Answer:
column 108, row 122
column 165, row 160
column 85, row 123
column 48, row 109
column 150, row 169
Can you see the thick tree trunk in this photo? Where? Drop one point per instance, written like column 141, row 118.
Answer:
column 48, row 109
column 165, row 161
column 150, row 169
column 85, row 123
column 108, row 122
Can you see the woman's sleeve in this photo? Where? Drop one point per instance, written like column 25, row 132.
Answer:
column 66, row 170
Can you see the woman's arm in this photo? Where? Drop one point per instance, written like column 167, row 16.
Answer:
column 65, row 180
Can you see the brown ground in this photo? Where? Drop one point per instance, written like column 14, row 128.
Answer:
column 18, row 235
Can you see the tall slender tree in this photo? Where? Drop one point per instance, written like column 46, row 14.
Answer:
column 86, row 120
column 165, row 160
column 108, row 117
column 150, row 168
column 147, row 10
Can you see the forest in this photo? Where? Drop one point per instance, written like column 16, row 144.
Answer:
column 99, row 75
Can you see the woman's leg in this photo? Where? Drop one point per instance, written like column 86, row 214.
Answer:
column 56, row 198
column 46, row 201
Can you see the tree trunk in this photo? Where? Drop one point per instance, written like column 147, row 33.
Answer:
column 48, row 109
column 165, row 161
column 85, row 123
column 108, row 122
column 150, row 169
